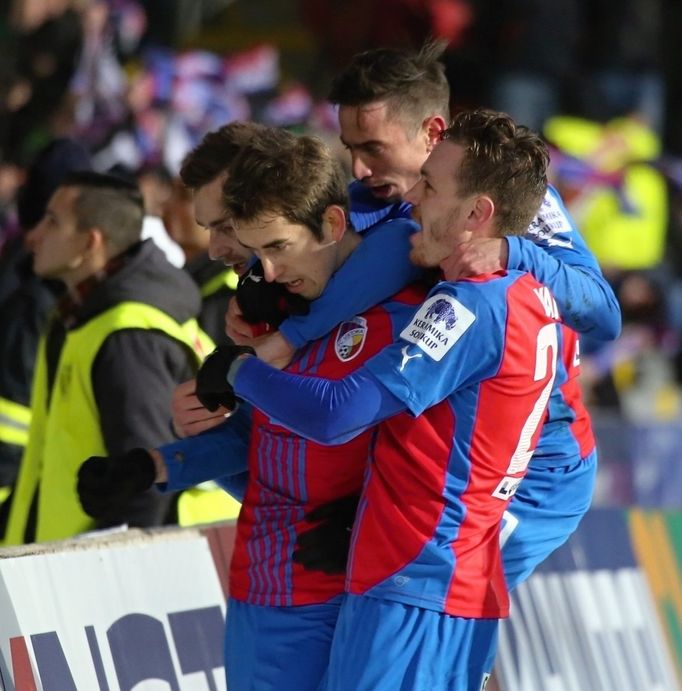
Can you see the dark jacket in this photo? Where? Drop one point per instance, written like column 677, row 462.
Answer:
column 214, row 303
column 23, row 314
column 136, row 371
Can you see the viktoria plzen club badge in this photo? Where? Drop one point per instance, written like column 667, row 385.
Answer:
column 350, row 338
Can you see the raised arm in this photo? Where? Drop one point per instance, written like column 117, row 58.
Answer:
column 377, row 269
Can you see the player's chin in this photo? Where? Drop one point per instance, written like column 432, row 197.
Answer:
column 419, row 258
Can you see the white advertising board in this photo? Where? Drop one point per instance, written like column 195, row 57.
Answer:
column 142, row 615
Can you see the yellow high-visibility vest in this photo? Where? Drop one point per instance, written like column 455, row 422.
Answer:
column 61, row 438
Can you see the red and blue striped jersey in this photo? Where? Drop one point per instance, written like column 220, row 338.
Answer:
column 476, row 365
column 289, row 475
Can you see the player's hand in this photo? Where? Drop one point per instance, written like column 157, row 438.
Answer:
column 274, row 349
column 474, row 257
column 267, row 301
column 213, row 390
column 189, row 416
column 325, row 547
column 107, row 482
column 236, row 327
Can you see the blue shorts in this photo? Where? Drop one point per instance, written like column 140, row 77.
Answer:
column 381, row 645
column 278, row 648
column 543, row 514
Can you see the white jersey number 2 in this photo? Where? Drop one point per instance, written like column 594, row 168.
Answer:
column 546, row 354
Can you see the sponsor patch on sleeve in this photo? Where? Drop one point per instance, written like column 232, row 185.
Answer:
column 438, row 325
column 551, row 225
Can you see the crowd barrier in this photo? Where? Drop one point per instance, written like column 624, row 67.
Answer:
column 144, row 611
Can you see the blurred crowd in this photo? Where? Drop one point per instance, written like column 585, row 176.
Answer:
column 594, row 76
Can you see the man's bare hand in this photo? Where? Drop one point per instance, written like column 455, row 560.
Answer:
column 239, row 330
column 274, row 349
column 475, row 257
column 189, row 416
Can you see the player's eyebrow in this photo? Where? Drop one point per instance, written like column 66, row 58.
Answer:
column 269, row 245
column 365, row 143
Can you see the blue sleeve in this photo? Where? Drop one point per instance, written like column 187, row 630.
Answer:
column 437, row 352
column 378, row 268
column 326, row 411
column 234, row 485
column 454, row 340
column 558, row 257
column 367, row 211
column 213, row 455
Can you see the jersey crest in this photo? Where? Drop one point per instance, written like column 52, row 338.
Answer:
column 438, row 325
column 350, row 338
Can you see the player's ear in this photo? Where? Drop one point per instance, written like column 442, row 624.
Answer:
column 433, row 127
column 334, row 222
column 481, row 212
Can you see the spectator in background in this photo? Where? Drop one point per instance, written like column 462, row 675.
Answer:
column 26, row 304
column 47, row 39
column 123, row 336
column 607, row 175
column 155, row 190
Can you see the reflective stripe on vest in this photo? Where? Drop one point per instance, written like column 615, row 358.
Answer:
column 14, row 421
column 227, row 278
column 63, row 437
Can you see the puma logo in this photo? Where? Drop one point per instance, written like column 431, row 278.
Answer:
column 254, row 278
column 407, row 357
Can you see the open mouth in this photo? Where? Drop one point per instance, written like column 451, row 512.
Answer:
column 240, row 268
column 294, row 286
column 382, row 191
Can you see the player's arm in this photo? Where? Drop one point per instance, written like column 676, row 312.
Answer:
column 323, row 410
column 217, row 454
column 407, row 375
column 587, row 302
column 378, row 268
column 555, row 253
column 559, row 258
column 108, row 483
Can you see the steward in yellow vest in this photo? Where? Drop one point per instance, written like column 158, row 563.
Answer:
column 123, row 338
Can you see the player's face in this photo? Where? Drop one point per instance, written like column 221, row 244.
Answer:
column 291, row 254
column 58, row 247
column 438, row 207
column 385, row 156
column 210, row 214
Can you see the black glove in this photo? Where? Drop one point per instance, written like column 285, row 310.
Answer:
column 213, row 389
column 325, row 547
column 269, row 302
column 108, row 482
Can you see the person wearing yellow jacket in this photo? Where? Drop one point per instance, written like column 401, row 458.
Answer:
column 123, row 336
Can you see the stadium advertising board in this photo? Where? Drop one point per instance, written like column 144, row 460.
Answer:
column 143, row 615
column 587, row 619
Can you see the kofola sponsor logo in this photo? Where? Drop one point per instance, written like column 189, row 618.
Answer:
column 136, row 647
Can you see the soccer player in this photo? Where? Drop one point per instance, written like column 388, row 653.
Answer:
column 393, row 105
column 289, row 198
column 476, row 365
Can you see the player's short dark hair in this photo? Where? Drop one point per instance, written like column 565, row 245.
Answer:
column 214, row 153
column 502, row 159
column 291, row 176
column 110, row 203
column 413, row 82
